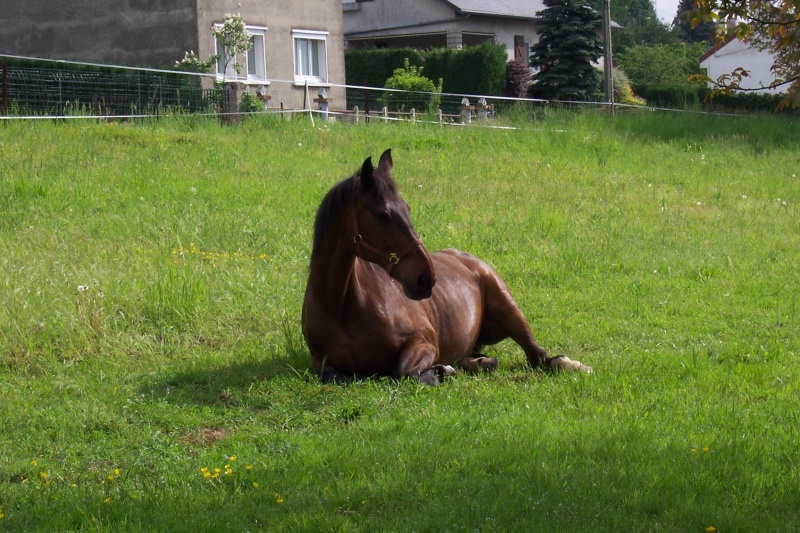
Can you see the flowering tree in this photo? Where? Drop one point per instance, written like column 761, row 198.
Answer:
column 769, row 25
column 234, row 39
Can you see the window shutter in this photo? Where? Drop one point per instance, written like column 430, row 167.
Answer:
column 519, row 47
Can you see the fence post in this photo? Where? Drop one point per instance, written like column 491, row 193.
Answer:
column 322, row 100
column 413, row 114
column 483, row 109
column 366, row 105
column 439, row 115
column 5, row 91
column 355, row 114
column 466, row 111
column 60, row 102
column 231, row 97
column 385, row 113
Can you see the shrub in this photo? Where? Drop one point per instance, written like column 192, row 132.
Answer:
column 518, row 77
column 623, row 92
column 424, row 93
column 250, row 103
column 673, row 96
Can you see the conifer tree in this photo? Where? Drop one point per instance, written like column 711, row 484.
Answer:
column 701, row 33
column 569, row 44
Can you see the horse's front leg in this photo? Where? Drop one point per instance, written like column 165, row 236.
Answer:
column 418, row 360
column 327, row 373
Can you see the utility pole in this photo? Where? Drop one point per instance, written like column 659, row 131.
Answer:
column 607, row 57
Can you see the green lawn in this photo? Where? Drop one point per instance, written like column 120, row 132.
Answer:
column 151, row 278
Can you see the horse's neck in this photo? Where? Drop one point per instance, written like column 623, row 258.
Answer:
column 332, row 275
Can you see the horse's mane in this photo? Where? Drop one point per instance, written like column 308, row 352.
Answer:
column 338, row 198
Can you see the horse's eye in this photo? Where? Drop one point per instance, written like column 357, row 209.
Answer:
column 382, row 216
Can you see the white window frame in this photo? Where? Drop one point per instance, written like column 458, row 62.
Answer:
column 301, row 74
column 257, row 60
column 256, row 57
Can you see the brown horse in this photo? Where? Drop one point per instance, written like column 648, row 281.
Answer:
column 377, row 303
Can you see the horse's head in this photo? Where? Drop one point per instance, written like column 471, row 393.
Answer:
column 383, row 232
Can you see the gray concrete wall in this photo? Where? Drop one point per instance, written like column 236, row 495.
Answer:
column 280, row 18
column 156, row 33
column 151, row 33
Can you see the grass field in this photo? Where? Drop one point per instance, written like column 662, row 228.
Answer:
column 153, row 376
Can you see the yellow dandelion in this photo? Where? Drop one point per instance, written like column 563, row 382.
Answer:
column 711, row 529
column 255, row 485
column 233, row 458
column 249, row 467
column 43, row 475
column 74, row 485
column 278, row 498
column 706, row 449
column 217, row 470
column 694, row 450
column 117, row 471
column 204, row 469
column 110, row 478
column 206, row 474
column 2, row 515
column 107, row 500
column 34, row 462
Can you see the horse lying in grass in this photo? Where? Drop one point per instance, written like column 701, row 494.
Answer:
column 378, row 304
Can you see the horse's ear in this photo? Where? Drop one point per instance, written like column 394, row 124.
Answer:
column 367, row 175
column 386, row 163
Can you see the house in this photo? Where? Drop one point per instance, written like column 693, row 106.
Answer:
column 294, row 44
column 726, row 57
column 426, row 24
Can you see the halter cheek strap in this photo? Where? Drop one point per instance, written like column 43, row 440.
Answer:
column 391, row 258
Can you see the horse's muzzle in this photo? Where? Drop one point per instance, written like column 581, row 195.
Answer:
column 423, row 287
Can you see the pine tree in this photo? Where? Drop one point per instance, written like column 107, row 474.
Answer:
column 702, row 33
column 569, row 42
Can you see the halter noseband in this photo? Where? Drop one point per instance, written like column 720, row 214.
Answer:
column 392, row 258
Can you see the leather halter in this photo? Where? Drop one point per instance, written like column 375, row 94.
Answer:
column 392, row 258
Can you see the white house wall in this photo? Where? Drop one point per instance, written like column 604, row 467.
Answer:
column 737, row 54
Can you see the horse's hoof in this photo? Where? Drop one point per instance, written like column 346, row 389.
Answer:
column 564, row 363
column 436, row 374
column 446, row 370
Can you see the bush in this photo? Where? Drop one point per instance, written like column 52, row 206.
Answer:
column 672, row 96
column 623, row 92
column 250, row 103
column 518, row 77
column 424, row 93
column 743, row 101
column 472, row 70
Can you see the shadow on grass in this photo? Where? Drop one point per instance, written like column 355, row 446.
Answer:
column 225, row 380
column 761, row 132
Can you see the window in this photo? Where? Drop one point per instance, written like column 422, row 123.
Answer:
column 252, row 64
column 310, row 56
column 257, row 55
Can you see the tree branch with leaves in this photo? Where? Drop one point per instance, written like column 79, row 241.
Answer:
column 772, row 25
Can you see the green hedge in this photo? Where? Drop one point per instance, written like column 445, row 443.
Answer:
column 743, row 101
column 692, row 97
column 472, row 70
column 672, row 96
